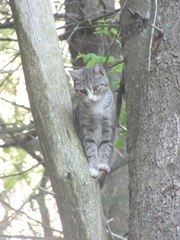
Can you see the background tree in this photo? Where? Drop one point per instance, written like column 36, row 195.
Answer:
column 150, row 36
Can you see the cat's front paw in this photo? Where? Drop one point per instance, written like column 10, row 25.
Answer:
column 104, row 167
column 94, row 172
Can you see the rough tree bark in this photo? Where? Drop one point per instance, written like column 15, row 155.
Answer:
column 153, row 117
column 77, row 194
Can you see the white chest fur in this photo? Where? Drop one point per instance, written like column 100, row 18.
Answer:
column 97, row 108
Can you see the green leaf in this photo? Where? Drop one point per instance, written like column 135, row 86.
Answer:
column 118, row 68
column 111, row 59
column 91, row 58
column 113, row 30
column 123, row 115
column 120, row 142
column 115, row 83
column 102, row 30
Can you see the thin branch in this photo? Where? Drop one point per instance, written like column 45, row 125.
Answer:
column 21, row 173
column 11, row 61
column 8, row 40
column 113, row 45
column 17, row 129
column 123, row 127
column 19, row 211
column 134, row 13
column 15, row 104
column 19, row 142
column 152, row 35
column 92, row 20
column 109, row 230
column 7, row 25
column 34, row 155
column 120, row 160
column 115, row 64
column 8, row 77
column 118, row 236
column 85, row 15
column 112, row 234
column 48, row 192
column 44, row 211
column 16, row 141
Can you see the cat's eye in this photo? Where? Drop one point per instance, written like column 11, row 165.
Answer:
column 96, row 88
column 83, row 91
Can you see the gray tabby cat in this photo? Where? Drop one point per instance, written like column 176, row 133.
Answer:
column 95, row 116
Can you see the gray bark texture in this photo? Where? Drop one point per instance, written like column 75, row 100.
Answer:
column 77, row 194
column 153, row 117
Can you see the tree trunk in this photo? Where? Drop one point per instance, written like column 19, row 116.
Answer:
column 153, row 115
column 77, row 194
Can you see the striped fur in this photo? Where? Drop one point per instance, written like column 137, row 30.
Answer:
column 95, row 117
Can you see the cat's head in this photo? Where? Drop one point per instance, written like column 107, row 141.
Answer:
column 91, row 84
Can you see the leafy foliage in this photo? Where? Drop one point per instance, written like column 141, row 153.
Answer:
column 91, row 58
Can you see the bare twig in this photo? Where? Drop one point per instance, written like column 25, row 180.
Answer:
column 123, row 127
column 118, row 236
column 19, row 211
column 113, row 46
column 135, row 13
column 10, row 73
column 46, row 191
column 109, row 230
column 152, row 35
column 43, row 209
column 85, row 15
column 115, row 64
column 8, row 40
column 21, row 173
column 12, row 60
column 11, row 130
column 119, row 161
column 15, row 104
column 7, row 25
column 92, row 20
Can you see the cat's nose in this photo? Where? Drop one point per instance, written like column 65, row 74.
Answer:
column 91, row 98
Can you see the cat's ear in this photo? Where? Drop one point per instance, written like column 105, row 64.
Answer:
column 75, row 74
column 86, row 74
column 98, row 68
